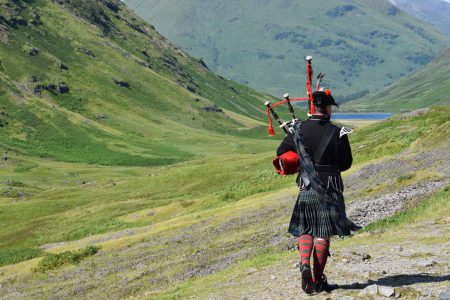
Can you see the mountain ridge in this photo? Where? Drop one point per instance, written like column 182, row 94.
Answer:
column 269, row 54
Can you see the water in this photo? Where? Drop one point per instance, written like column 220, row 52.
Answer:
column 360, row 116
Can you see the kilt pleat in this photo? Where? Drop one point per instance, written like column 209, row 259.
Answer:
column 313, row 217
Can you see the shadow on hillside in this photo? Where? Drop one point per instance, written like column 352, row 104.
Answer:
column 397, row 280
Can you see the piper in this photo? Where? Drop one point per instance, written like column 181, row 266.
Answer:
column 323, row 151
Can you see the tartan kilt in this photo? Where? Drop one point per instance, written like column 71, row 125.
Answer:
column 320, row 219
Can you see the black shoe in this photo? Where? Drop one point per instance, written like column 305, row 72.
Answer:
column 322, row 285
column 307, row 282
column 352, row 226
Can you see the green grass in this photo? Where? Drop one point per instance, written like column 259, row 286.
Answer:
column 15, row 255
column 403, row 178
column 399, row 133
column 52, row 261
column 96, row 206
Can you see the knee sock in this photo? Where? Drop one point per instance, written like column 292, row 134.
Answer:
column 305, row 245
column 321, row 252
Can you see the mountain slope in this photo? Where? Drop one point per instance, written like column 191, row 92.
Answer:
column 427, row 87
column 436, row 12
column 88, row 81
column 360, row 44
column 93, row 98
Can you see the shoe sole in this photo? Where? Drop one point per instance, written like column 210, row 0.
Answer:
column 327, row 289
column 307, row 282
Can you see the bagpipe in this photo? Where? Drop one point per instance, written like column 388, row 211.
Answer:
column 288, row 163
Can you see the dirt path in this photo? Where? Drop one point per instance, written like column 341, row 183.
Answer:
column 413, row 270
column 365, row 270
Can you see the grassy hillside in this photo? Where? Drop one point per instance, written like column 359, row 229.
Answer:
column 88, row 81
column 92, row 97
column 361, row 45
column 418, row 132
column 426, row 87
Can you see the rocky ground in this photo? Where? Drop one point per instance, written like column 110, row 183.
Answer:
column 368, row 210
column 387, row 173
column 406, row 270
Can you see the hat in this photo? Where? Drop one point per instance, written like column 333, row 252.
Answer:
column 321, row 98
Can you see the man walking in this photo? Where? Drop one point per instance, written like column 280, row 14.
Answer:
column 319, row 212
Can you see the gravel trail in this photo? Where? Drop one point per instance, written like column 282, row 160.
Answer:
column 408, row 270
column 369, row 210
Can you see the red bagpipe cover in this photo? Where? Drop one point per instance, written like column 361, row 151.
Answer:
column 287, row 163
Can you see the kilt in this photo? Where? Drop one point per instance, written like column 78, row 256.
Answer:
column 318, row 218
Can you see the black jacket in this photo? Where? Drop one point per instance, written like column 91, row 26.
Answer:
column 338, row 153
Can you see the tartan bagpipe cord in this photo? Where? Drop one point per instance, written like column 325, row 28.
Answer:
column 335, row 209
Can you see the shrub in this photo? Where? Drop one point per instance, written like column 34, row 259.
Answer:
column 92, row 11
column 405, row 177
column 340, row 11
column 52, row 261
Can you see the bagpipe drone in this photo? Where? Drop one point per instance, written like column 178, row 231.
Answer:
column 288, row 163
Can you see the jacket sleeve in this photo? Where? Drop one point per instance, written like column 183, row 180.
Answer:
column 286, row 145
column 344, row 153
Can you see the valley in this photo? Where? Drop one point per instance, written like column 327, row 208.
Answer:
column 129, row 170
column 210, row 234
